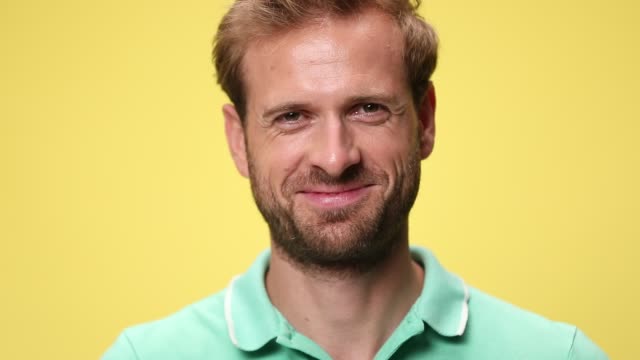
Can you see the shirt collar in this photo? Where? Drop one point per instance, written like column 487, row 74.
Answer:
column 444, row 301
column 252, row 321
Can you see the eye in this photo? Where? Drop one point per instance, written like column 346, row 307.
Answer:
column 291, row 120
column 370, row 108
column 291, row 116
column 371, row 113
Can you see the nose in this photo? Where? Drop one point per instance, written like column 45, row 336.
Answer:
column 333, row 148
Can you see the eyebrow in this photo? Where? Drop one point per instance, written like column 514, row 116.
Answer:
column 283, row 108
column 391, row 100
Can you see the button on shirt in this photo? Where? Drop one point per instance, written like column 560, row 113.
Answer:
column 449, row 320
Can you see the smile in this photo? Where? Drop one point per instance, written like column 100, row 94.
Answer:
column 335, row 198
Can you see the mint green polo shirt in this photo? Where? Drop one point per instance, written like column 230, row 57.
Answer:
column 449, row 320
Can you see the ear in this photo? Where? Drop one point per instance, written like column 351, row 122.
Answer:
column 426, row 116
column 235, row 138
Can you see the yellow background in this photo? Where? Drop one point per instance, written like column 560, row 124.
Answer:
column 119, row 203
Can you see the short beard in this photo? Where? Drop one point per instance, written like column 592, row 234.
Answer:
column 336, row 243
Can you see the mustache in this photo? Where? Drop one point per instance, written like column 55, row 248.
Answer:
column 355, row 174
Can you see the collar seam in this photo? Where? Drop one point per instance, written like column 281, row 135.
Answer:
column 231, row 329
column 464, row 312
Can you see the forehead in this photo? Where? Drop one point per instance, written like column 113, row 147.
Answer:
column 338, row 56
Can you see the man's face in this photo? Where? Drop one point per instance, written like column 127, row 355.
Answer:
column 333, row 139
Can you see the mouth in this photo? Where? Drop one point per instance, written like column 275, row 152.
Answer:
column 328, row 197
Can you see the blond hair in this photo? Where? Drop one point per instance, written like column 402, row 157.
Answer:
column 248, row 20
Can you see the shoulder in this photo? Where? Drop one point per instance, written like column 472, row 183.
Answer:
column 500, row 325
column 197, row 331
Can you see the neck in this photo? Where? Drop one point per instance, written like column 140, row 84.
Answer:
column 342, row 313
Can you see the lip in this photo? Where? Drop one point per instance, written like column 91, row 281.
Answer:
column 335, row 197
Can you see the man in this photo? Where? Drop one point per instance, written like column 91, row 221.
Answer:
column 333, row 112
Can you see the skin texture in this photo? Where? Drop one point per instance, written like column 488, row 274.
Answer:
column 332, row 145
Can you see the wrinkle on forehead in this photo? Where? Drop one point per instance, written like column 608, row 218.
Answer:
column 326, row 55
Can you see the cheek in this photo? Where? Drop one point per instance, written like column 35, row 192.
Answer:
column 276, row 160
column 388, row 157
column 389, row 149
